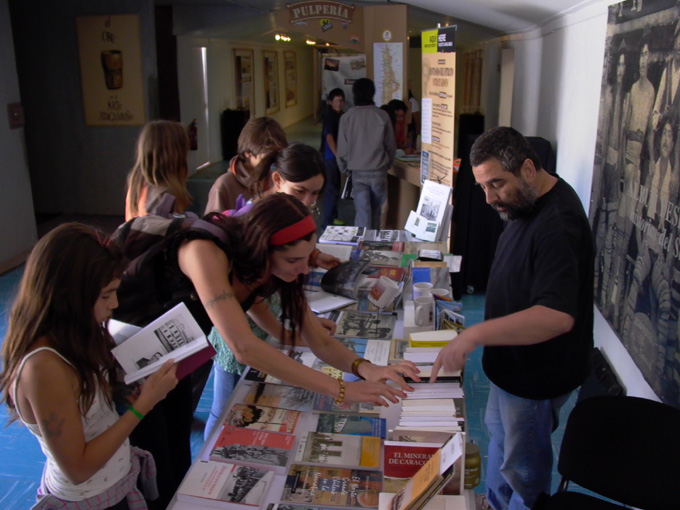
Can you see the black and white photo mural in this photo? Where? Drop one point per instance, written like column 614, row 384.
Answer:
column 635, row 201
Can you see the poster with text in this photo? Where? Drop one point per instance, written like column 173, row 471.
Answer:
column 111, row 70
column 341, row 72
column 439, row 94
column 635, row 199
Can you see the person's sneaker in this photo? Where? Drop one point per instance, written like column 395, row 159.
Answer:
column 338, row 222
column 481, row 503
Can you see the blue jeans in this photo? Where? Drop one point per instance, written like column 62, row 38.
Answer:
column 331, row 193
column 223, row 386
column 520, row 459
column 370, row 192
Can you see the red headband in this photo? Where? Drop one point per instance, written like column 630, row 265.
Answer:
column 293, row 232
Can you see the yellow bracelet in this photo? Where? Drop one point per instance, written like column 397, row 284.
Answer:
column 355, row 366
column 341, row 397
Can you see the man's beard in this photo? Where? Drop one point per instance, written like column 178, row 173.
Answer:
column 522, row 204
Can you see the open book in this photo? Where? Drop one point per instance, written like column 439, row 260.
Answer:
column 174, row 335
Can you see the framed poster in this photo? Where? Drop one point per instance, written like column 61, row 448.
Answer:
column 111, row 70
column 290, row 65
column 271, row 82
column 243, row 65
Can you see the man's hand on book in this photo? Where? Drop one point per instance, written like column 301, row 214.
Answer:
column 157, row 386
column 454, row 354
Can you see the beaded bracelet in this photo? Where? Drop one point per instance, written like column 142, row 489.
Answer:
column 136, row 413
column 355, row 366
column 341, row 397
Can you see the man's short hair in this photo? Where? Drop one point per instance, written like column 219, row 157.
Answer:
column 335, row 93
column 505, row 144
column 363, row 91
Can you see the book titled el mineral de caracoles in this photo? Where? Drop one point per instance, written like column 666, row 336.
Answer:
column 339, row 450
column 430, row 478
column 332, row 487
column 210, row 483
column 174, row 335
column 262, row 418
column 259, row 448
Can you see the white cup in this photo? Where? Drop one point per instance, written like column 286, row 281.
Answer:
column 445, row 293
column 423, row 311
column 421, row 289
column 383, row 292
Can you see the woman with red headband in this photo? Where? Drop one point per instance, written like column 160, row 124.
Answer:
column 266, row 251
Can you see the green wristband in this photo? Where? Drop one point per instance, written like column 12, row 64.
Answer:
column 136, row 413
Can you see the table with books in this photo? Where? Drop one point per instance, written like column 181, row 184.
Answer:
column 287, row 447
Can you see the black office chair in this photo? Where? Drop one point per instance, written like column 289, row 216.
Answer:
column 626, row 449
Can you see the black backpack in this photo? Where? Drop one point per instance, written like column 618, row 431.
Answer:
column 153, row 283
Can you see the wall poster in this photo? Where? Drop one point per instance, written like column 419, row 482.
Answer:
column 438, row 108
column 290, row 67
column 111, row 70
column 341, row 72
column 244, row 78
column 635, row 200
column 388, row 71
column 271, row 82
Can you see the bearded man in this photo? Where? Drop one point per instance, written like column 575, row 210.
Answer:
column 538, row 328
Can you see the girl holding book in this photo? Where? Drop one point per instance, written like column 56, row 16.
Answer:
column 58, row 373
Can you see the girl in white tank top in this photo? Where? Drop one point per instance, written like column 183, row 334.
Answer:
column 58, row 368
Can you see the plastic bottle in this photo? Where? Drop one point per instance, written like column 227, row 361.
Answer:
column 473, row 466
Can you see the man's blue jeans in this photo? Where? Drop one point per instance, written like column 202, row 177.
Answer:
column 223, row 387
column 520, row 459
column 370, row 192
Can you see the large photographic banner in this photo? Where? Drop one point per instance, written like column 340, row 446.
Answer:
column 635, row 201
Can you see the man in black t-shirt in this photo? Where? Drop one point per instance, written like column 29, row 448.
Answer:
column 538, row 328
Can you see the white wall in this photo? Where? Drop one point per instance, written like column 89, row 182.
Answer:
column 558, row 73
column 221, row 90
column 17, row 231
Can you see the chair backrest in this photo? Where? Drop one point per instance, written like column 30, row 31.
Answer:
column 626, row 449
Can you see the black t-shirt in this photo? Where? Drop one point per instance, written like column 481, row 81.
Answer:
column 546, row 259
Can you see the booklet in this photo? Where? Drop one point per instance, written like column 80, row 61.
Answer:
column 174, row 335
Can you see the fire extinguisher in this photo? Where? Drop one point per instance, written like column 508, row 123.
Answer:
column 193, row 135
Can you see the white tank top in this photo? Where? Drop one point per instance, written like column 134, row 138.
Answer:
column 97, row 419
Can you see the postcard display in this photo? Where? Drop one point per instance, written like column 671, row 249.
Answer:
column 282, row 446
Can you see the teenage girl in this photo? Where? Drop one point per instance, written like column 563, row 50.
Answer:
column 157, row 182
column 298, row 171
column 58, row 370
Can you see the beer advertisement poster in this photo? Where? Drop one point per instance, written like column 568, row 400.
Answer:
column 111, row 70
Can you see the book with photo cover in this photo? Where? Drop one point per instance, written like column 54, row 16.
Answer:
column 397, row 348
column 262, row 418
column 332, row 487
column 342, row 234
column 174, row 335
column 377, row 326
column 380, row 258
column 326, row 404
column 259, row 448
column 344, row 279
column 306, row 358
column 352, row 424
column 382, row 245
column 277, row 395
column 210, row 483
column 342, row 450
